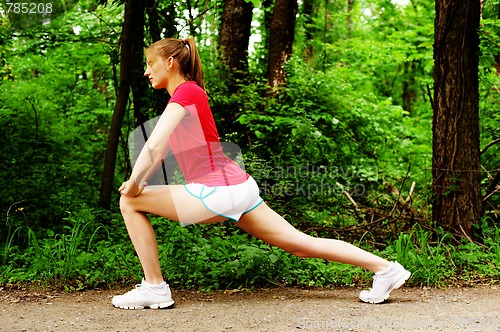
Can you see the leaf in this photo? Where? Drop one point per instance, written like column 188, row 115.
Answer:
column 428, row 44
column 256, row 3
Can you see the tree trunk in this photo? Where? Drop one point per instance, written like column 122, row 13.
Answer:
column 281, row 37
column 130, row 45
column 350, row 7
column 455, row 163
column 153, row 20
column 138, row 82
column 234, row 39
column 497, row 57
column 409, row 94
column 267, row 6
column 161, row 18
column 308, row 12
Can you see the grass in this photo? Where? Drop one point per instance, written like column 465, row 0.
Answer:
column 210, row 257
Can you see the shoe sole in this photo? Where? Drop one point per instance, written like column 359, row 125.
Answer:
column 396, row 285
column 163, row 305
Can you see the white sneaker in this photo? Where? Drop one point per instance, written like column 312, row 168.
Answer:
column 145, row 295
column 384, row 282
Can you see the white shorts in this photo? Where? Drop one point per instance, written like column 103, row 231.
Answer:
column 230, row 202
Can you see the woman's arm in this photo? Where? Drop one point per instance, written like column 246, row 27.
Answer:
column 154, row 150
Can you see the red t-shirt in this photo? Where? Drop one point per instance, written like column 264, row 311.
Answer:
column 195, row 141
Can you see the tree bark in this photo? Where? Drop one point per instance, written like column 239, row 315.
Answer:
column 234, row 39
column 497, row 57
column 409, row 94
column 161, row 19
column 153, row 20
column 138, row 82
column 309, row 12
column 130, row 45
column 281, row 37
column 267, row 6
column 456, row 163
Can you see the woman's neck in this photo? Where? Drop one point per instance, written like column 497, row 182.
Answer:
column 174, row 82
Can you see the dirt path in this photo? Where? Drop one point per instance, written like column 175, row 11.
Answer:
column 289, row 309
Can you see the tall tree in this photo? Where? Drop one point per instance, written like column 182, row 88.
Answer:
column 267, row 8
column 153, row 23
column 281, row 37
column 349, row 10
column 234, row 38
column 308, row 11
column 131, row 42
column 161, row 21
column 455, row 162
column 409, row 94
column 138, row 83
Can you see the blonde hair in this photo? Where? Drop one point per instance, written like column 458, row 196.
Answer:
column 185, row 52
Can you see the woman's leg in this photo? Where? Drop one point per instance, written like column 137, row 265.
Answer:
column 267, row 225
column 171, row 202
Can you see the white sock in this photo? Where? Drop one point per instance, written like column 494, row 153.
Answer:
column 386, row 270
column 159, row 286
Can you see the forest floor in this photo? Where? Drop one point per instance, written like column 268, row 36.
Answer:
column 280, row 309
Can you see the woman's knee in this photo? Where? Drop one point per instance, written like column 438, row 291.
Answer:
column 126, row 204
column 300, row 253
column 303, row 248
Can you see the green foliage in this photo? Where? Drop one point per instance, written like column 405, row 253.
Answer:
column 82, row 255
column 213, row 257
column 87, row 254
column 54, row 114
column 436, row 260
column 429, row 261
column 489, row 104
column 320, row 132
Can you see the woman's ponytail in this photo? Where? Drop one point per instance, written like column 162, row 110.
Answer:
column 195, row 71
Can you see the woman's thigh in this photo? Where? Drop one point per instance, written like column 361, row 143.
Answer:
column 267, row 225
column 172, row 202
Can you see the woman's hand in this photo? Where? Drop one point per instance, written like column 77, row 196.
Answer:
column 131, row 188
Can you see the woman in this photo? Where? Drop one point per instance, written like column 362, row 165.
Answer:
column 217, row 188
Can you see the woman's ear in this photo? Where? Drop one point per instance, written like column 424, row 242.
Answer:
column 170, row 62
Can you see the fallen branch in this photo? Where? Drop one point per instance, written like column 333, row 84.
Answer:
column 495, row 141
column 465, row 234
column 490, row 177
column 487, row 197
column 347, row 195
column 411, row 192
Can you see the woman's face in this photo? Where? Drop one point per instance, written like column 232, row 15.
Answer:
column 157, row 71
